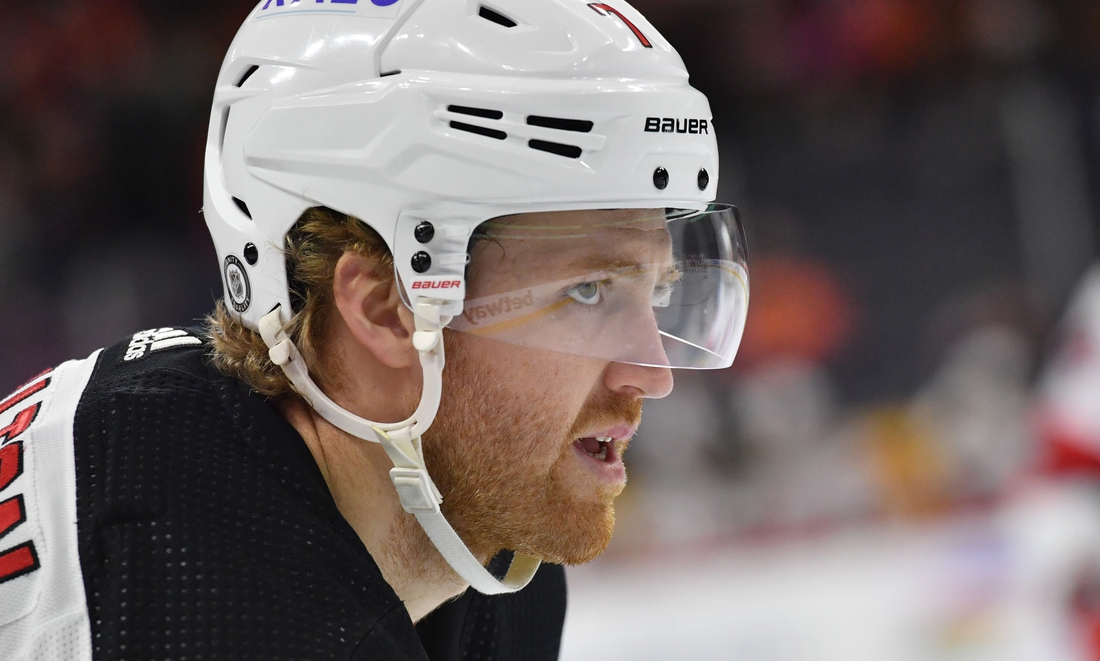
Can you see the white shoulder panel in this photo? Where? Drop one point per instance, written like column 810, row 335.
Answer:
column 43, row 610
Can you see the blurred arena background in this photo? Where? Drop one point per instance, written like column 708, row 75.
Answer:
column 898, row 465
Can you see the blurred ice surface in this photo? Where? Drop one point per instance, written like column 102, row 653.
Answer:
column 989, row 586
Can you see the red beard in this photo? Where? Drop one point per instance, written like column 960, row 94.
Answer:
column 501, row 461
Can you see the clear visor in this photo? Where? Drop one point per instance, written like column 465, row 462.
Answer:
column 644, row 286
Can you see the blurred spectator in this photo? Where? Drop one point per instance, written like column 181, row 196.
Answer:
column 103, row 108
column 1067, row 412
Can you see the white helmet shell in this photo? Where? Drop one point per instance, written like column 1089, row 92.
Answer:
column 448, row 111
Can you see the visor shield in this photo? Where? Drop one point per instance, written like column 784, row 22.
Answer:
column 649, row 287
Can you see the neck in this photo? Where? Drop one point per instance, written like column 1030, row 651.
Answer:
column 357, row 474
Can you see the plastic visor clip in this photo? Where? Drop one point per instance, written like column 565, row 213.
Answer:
column 425, row 341
column 414, row 490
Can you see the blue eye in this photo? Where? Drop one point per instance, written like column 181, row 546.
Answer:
column 588, row 293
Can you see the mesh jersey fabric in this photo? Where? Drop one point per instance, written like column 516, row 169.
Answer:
column 206, row 531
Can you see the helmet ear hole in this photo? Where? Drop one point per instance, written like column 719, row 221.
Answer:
column 496, row 17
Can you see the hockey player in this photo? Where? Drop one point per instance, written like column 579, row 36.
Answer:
column 461, row 242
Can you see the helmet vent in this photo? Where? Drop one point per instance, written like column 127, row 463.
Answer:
column 476, row 112
column 248, row 74
column 223, row 127
column 480, row 130
column 495, row 17
column 243, row 207
column 576, row 125
column 569, row 151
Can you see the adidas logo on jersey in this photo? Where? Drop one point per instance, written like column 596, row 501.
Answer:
column 156, row 340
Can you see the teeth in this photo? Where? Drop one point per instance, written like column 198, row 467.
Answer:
column 605, row 443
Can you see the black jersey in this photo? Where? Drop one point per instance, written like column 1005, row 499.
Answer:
column 153, row 508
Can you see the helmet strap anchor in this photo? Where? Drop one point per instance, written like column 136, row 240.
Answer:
column 402, row 442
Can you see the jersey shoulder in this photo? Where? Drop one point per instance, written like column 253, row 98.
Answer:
column 176, row 349
column 205, row 524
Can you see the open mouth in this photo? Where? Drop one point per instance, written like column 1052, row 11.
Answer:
column 602, row 451
column 600, row 448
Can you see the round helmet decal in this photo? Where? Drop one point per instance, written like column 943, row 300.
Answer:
column 237, row 288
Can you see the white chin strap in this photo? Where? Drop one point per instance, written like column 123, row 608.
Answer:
column 401, row 440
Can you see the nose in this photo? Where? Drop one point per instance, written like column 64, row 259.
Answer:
column 638, row 380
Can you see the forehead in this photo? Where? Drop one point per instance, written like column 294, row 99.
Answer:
column 561, row 243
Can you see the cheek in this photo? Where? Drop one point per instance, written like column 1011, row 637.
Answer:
column 544, row 380
column 529, row 399
column 568, row 385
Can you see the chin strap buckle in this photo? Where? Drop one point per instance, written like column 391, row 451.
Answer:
column 418, row 493
column 415, row 489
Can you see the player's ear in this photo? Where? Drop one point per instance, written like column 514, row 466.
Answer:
column 373, row 311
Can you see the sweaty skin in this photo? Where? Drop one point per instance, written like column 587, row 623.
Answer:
column 504, row 449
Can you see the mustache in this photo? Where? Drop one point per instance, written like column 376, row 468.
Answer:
column 608, row 411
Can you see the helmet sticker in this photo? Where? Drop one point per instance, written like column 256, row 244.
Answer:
column 237, row 286
column 607, row 10
column 375, row 8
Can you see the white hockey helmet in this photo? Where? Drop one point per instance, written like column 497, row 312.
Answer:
column 427, row 118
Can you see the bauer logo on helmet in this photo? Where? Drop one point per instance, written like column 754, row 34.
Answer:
column 437, row 284
column 674, row 125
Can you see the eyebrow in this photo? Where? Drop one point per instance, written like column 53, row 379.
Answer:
column 597, row 263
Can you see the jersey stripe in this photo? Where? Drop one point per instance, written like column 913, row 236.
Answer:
column 174, row 342
column 21, row 395
column 17, row 562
